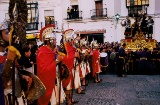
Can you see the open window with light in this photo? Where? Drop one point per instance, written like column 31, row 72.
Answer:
column 32, row 23
column 134, row 6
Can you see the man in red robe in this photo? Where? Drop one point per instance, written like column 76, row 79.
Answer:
column 69, row 61
column 46, row 67
column 96, row 63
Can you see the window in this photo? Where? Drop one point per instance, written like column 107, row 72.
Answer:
column 130, row 3
column 134, row 6
column 49, row 17
column 133, row 11
column 73, row 2
column 32, row 16
column 49, row 20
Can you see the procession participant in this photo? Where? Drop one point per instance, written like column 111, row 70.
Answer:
column 153, row 58
column 16, row 82
column 77, row 72
column 144, row 66
column 150, row 23
column 158, row 62
column 129, row 61
column 135, row 26
column 23, row 80
column 103, row 60
column 7, row 86
column 112, row 58
column 69, row 61
column 85, row 61
column 143, row 23
column 121, row 61
column 96, row 63
column 46, row 65
column 127, row 24
column 4, row 38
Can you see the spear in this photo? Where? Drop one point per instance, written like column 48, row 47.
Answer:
column 18, row 20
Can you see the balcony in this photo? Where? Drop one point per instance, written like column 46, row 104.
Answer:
column 76, row 15
column 32, row 26
column 98, row 13
column 43, row 24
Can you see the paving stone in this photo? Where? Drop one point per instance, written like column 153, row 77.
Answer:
column 130, row 90
column 148, row 94
column 100, row 101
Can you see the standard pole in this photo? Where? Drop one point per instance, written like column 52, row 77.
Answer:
column 13, row 84
column 60, row 74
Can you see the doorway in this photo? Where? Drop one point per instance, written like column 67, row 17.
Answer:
column 90, row 37
column 99, row 6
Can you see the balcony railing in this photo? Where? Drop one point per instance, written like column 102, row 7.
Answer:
column 43, row 24
column 32, row 26
column 74, row 15
column 98, row 13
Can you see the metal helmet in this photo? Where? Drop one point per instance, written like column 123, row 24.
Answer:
column 94, row 44
column 83, row 42
column 3, row 26
column 69, row 35
column 46, row 33
column 50, row 36
column 76, row 41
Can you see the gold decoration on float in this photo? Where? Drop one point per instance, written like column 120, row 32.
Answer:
column 138, row 42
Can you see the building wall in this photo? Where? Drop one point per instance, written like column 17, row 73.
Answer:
column 114, row 31
column 3, row 10
column 157, row 6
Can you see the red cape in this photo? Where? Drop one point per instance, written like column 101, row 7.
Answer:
column 46, row 71
column 2, row 59
column 69, row 61
column 95, row 57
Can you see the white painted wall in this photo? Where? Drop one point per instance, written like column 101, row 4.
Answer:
column 124, row 10
column 157, row 29
column 151, row 7
column 157, row 6
column 110, row 7
column 3, row 10
column 114, row 31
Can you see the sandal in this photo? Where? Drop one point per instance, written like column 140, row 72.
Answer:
column 100, row 81
column 74, row 102
column 95, row 81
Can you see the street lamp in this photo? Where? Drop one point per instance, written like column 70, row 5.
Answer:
column 117, row 17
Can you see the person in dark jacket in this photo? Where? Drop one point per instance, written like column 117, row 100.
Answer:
column 145, row 67
column 121, row 61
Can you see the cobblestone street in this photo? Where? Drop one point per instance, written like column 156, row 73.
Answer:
column 130, row 90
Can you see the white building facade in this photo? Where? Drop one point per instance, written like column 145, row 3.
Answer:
column 93, row 19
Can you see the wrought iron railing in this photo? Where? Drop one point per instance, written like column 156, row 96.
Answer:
column 74, row 15
column 97, row 13
column 32, row 26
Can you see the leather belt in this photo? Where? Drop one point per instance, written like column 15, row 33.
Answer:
column 121, row 57
column 143, row 58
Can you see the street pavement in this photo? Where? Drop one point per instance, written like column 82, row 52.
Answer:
column 130, row 90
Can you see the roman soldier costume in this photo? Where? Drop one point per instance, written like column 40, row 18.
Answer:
column 96, row 62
